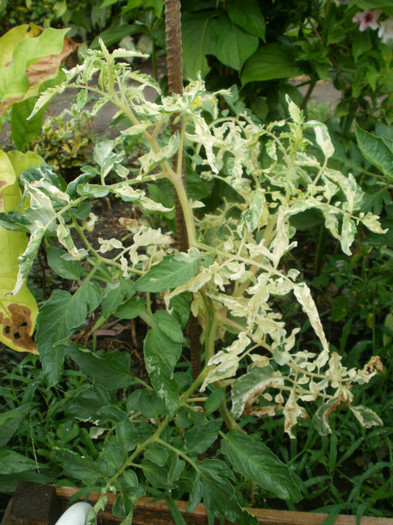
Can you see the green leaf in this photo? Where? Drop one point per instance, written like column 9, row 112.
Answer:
column 162, row 348
column 197, row 43
column 156, row 454
column 78, row 467
column 199, row 438
column 214, row 400
column 248, row 15
column 57, row 320
column 146, row 402
column 181, row 308
column 176, row 467
column 53, row 332
column 157, row 5
column 24, row 131
column 111, row 369
column 212, row 486
column 114, row 295
column 127, row 436
column 12, row 462
column 171, row 272
column 113, row 453
column 68, row 269
column 8, row 430
column 131, row 308
column 384, row 5
column 361, row 44
column 113, row 35
column 231, row 45
column 86, row 404
column 269, row 62
column 255, row 461
column 377, row 151
column 156, row 475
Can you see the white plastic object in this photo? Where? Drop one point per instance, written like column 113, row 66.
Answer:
column 75, row 515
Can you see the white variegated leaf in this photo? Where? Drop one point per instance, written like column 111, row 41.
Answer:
column 303, row 295
column 322, row 137
column 366, row 417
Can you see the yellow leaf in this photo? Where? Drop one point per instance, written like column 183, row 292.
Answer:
column 17, row 312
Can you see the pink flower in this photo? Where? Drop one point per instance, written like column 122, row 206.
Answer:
column 385, row 32
column 367, row 19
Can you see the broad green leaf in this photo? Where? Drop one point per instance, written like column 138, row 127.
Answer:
column 162, row 348
column 146, row 402
column 168, row 325
column 114, row 295
column 111, row 369
column 18, row 312
column 199, row 438
column 214, row 400
column 176, row 467
column 113, row 453
column 60, row 263
column 213, row 487
column 377, row 151
column 366, row 417
column 231, row 44
column 248, row 15
column 8, row 430
column 171, row 272
column 12, row 462
column 59, row 317
column 269, row 62
column 197, row 43
column 131, row 308
column 156, row 454
column 86, row 404
column 24, row 161
column 157, row 5
column 24, row 131
column 181, row 308
column 384, row 5
column 157, row 476
column 84, row 469
column 113, row 35
column 256, row 462
column 128, row 437
column 361, row 44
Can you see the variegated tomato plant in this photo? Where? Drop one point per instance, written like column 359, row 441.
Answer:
column 245, row 182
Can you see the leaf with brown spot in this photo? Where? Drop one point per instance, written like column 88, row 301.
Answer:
column 33, row 56
column 17, row 312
